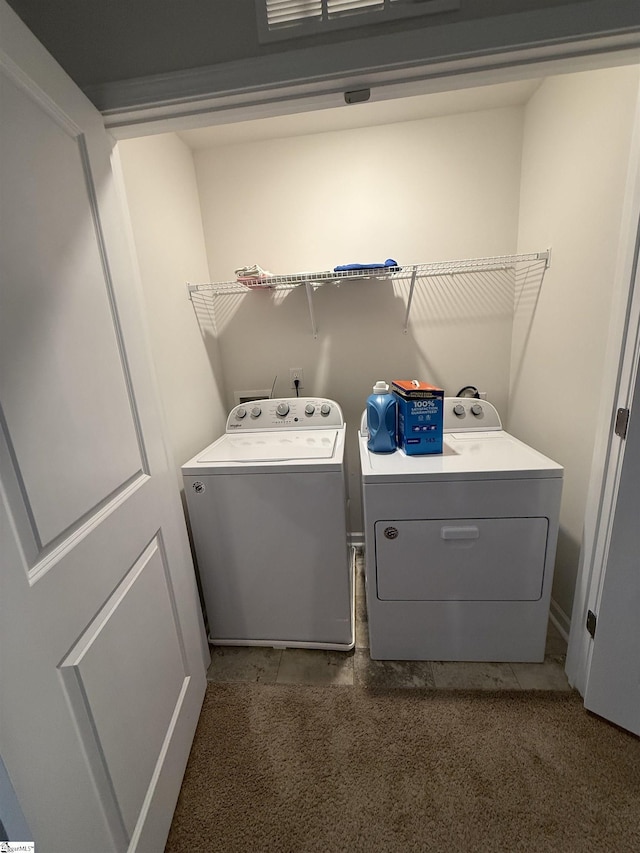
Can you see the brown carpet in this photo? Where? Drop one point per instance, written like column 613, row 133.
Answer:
column 290, row 769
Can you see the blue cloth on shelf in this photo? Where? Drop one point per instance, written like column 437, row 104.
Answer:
column 389, row 265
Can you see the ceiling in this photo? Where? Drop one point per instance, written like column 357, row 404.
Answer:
column 368, row 114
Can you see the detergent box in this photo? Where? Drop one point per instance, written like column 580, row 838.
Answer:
column 419, row 416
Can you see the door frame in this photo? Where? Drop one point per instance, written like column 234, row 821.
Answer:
column 160, row 105
column 619, row 378
column 580, row 31
column 231, row 92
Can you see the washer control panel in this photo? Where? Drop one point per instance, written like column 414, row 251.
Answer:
column 285, row 413
column 462, row 414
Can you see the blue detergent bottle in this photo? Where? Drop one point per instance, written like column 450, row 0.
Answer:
column 381, row 419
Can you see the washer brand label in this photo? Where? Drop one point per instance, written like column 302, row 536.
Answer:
column 199, row 487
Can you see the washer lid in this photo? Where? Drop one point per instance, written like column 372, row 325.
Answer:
column 494, row 455
column 288, row 445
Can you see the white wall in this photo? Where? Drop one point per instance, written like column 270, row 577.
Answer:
column 165, row 215
column 435, row 189
column 577, row 134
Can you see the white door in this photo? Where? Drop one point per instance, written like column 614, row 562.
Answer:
column 613, row 686
column 102, row 646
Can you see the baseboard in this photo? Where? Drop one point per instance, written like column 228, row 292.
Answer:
column 560, row 619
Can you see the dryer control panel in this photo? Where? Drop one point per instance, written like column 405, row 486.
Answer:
column 465, row 414
column 461, row 414
column 285, row 413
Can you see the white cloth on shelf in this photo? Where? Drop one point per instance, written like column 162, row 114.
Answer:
column 254, row 271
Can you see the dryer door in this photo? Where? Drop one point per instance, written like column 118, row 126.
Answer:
column 461, row 559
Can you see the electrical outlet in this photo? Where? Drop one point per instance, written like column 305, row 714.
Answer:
column 296, row 373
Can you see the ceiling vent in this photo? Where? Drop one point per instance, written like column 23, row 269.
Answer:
column 287, row 19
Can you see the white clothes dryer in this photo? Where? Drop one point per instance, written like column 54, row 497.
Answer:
column 267, row 504
column 460, row 546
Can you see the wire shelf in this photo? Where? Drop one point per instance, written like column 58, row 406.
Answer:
column 409, row 272
column 290, row 282
column 441, row 268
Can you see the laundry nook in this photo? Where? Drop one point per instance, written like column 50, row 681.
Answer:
column 474, row 280
column 319, row 346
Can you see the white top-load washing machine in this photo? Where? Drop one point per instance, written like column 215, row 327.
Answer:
column 267, row 504
column 460, row 546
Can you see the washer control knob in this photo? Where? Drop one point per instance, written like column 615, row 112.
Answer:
column 256, row 412
column 325, row 408
column 458, row 410
column 309, row 409
column 241, row 413
column 282, row 410
column 476, row 409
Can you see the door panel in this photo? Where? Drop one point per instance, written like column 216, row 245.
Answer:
column 130, row 709
column 55, row 263
column 103, row 648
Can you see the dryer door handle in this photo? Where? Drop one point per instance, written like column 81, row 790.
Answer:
column 462, row 532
